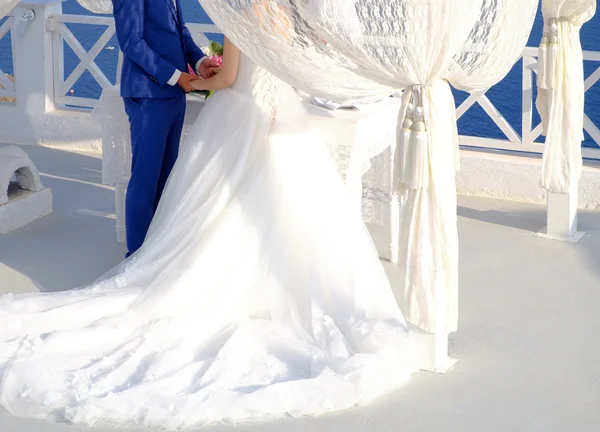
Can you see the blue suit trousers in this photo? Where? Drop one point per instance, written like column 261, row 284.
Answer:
column 156, row 125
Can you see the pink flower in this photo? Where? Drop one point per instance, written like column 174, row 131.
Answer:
column 217, row 60
column 190, row 70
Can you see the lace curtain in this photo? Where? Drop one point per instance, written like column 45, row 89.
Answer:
column 97, row 6
column 560, row 100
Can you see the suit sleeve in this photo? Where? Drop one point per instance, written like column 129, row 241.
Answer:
column 129, row 22
column 194, row 54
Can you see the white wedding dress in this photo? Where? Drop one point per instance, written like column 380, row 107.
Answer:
column 257, row 294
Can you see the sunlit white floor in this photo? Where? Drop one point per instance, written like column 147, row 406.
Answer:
column 528, row 344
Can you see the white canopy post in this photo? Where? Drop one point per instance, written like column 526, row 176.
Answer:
column 428, row 228
column 560, row 103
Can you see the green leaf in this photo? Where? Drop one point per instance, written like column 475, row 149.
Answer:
column 215, row 48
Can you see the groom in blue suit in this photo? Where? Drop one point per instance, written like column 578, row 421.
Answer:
column 157, row 49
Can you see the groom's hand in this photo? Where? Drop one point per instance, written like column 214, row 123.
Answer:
column 208, row 68
column 185, row 81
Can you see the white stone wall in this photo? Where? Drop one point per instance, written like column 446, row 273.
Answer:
column 517, row 178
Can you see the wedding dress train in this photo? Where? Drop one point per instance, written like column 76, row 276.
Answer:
column 258, row 292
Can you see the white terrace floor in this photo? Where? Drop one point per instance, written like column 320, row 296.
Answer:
column 528, row 342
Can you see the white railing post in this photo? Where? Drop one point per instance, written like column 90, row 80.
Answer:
column 38, row 59
column 58, row 57
column 28, row 120
column 33, row 59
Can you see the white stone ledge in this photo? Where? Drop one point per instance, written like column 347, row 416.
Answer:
column 517, row 177
column 24, row 209
column 69, row 129
column 484, row 173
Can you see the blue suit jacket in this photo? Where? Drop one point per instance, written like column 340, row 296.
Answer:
column 155, row 42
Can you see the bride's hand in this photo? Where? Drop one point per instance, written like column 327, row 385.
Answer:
column 197, row 84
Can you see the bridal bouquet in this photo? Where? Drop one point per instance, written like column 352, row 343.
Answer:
column 214, row 51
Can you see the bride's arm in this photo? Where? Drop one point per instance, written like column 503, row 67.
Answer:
column 228, row 72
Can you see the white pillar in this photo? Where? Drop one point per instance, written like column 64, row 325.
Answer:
column 33, row 59
column 431, row 350
column 561, row 217
column 37, row 61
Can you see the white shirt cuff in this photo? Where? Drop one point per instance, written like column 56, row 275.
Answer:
column 198, row 63
column 174, row 78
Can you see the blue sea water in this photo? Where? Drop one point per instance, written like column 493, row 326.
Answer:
column 506, row 96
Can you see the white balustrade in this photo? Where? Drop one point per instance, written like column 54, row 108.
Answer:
column 87, row 59
column 57, row 34
column 526, row 142
column 61, row 34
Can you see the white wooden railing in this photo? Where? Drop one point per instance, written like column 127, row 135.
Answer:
column 525, row 141
column 7, row 87
column 62, row 34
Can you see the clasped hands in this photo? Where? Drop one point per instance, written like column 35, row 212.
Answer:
column 208, row 68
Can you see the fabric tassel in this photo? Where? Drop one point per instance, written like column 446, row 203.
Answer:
column 404, row 131
column 549, row 105
column 544, row 108
column 405, row 135
column 542, row 56
column 419, row 156
column 551, row 62
column 412, row 158
column 412, row 154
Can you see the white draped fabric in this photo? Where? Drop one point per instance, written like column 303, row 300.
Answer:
column 303, row 323
column 560, row 100
column 97, row 6
column 6, row 6
column 361, row 50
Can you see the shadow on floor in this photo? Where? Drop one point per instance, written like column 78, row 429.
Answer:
column 532, row 221
column 528, row 311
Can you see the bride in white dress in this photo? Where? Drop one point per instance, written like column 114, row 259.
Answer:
column 257, row 294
